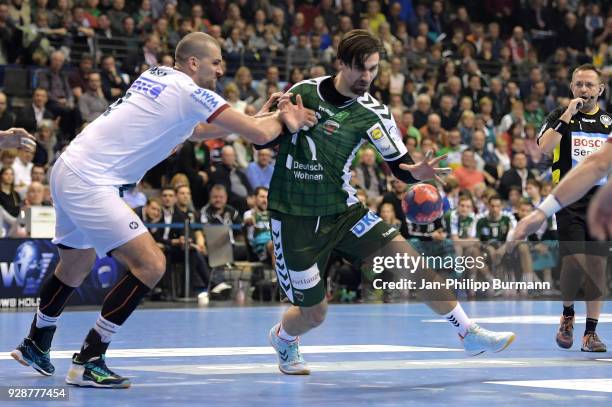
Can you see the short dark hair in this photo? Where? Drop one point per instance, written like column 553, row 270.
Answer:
column 258, row 189
column 356, row 46
column 587, row 67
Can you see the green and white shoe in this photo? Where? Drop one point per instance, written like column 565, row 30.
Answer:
column 290, row 360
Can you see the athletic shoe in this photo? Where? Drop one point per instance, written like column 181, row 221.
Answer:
column 35, row 352
column 94, row 373
column 592, row 343
column 478, row 340
column 565, row 334
column 290, row 360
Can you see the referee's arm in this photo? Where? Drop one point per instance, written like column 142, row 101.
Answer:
column 556, row 126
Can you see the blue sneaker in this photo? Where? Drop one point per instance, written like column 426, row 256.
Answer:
column 35, row 351
column 94, row 373
column 290, row 360
column 478, row 340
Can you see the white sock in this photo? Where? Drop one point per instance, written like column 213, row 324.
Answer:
column 284, row 335
column 106, row 329
column 459, row 319
column 43, row 320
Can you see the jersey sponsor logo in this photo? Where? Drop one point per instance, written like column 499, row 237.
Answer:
column 157, row 71
column 206, row 98
column 133, row 225
column 382, row 143
column 303, row 280
column 340, row 116
column 366, row 223
column 330, row 126
column 584, row 119
column 583, row 144
column 605, row 120
column 147, row 87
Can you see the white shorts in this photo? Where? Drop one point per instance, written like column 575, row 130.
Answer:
column 90, row 215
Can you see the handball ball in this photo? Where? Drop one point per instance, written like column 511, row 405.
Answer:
column 422, row 204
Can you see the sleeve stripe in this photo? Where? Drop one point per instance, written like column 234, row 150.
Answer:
column 217, row 113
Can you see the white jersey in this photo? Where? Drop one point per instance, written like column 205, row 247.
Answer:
column 158, row 112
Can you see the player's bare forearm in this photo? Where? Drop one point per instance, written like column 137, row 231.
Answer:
column 549, row 140
column 207, row 131
column 583, row 177
column 257, row 130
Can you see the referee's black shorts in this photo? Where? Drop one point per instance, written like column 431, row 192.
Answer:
column 574, row 236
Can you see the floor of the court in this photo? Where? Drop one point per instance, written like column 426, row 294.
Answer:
column 387, row 354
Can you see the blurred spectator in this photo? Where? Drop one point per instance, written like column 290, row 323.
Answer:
column 78, row 78
column 34, row 196
column 116, row 15
column 9, row 198
column 370, row 177
column 45, row 143
column 113, row 84
column 7, row 118
column 272, row 77
column 454, row 150
column 244, row 82
column 22, row 168
column 395, row 198
column 515, row 176
column 92, row 103
column 218, row 212
column 423, row 110
column 232, row 178
column 20, row 12
column 257, row 224
column 433, row 130
column 467, row 174
column 148, row 53
column 260, row 172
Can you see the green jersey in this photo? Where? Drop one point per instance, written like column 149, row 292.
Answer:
column 312, row 172
column 463, row 227
column 488, row 229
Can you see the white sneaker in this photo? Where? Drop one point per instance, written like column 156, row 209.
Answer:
column 478, row 340
column 290, row 360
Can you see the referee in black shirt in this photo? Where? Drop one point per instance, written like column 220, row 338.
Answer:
column 571, row 134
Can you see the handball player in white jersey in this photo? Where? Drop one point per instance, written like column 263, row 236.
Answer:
column 163, row 108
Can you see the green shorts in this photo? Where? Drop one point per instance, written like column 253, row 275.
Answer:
column 303, row 244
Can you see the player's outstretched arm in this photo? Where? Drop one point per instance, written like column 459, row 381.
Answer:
column 600, row 213
column 17, row 138
column 207, row 131
column 574, row 185
column 261, row 129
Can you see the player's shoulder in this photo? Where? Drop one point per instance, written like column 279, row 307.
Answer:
column 377, row 109
column 307, row 84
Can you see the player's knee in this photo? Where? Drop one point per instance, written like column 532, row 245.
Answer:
column 315, row 315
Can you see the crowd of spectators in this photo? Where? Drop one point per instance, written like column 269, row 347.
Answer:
column 472, row 79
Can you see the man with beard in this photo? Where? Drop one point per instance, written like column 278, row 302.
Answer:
column 314, row 209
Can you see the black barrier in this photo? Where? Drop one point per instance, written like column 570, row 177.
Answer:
column 26, row 263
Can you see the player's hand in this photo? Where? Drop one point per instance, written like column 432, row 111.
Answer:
column 296, row 116
column 17, row 138
column 529, row 224
column 427, row 169
column 599, row 215
column 269, row 103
